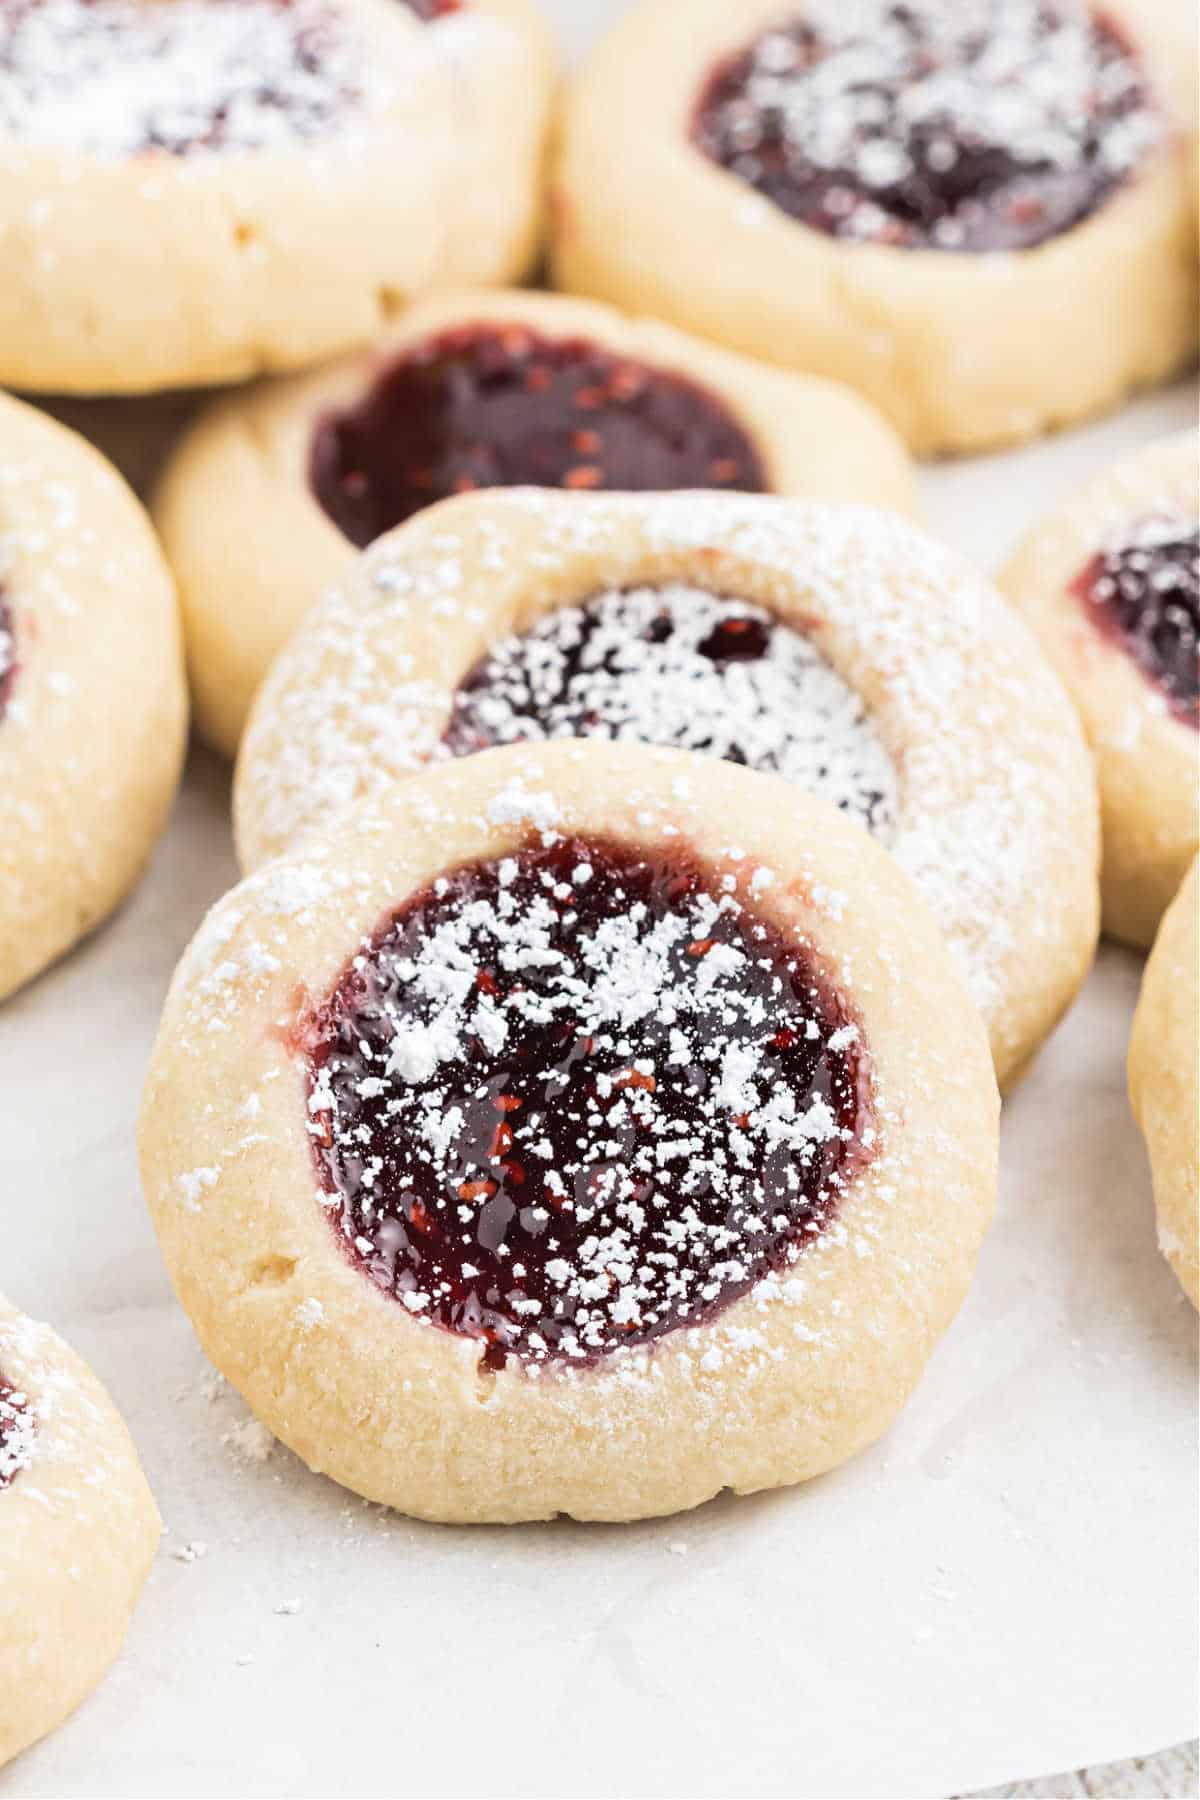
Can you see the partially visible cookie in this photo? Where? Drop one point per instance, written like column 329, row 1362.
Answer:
column 834, row 645
column 927, row 201
column 582, row 1128
column 1164, row 1072
column 93, row 710
column 1110, row 582
column 78, row 1531
column 195, row 191
column 271, row 491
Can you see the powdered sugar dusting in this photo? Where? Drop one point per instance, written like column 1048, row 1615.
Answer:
column 573, row 1099
column 114, row 78
column 675, row 665
column 990, row 769
column 976, row 125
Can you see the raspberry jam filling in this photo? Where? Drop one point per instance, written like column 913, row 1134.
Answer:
column 16, row 1433
column 678, row 666
column 1143, row 592
column 114, row 78
column 433, row 9
column 8, row 653
column 967, row 125
column 499, row 406
column 573, row 1100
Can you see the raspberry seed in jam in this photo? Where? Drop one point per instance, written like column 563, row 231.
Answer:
column 678, row 666
column 572, row 1100
column 1143, row 592
column 486, row 406
column 959, row 125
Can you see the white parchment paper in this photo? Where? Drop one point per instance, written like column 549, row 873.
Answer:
column 1006, row 1585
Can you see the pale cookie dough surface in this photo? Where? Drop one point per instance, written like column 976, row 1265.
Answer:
column 78, row 1531
column 961, row 350
column 92, row 700
column 1164, row 1071
column 200, row 190
column 252, row 548
column 919, row 701
column 1147, row 751
column 801, row 1371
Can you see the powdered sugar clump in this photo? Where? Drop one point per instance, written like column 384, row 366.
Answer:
column 112, row 78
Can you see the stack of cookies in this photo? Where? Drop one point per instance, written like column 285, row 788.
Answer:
column 659, row 853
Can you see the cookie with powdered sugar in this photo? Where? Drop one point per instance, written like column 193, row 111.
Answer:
column 837, row 647
column 93, row 709
column 923, row 200
column 195, row 191
column 78, row 1531
column 581, row 1128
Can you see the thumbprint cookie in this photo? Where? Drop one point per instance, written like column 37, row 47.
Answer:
column 1164, row 1068
column 979, row 212
column 480, row 391
column 1110, row 581
column 834, row 646
column 92, row 702
column 78, row 1531
column 583, row 1128
column 194, row 191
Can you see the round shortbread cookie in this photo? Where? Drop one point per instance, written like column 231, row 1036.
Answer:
column 835, row 645
column 93, row 711
column 925, row 201
column 582, row 1128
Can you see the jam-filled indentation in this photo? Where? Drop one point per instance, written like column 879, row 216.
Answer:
column 678, row 666
column 1142, row 591
column 571, row 1100
column 958, row 125
column 434, row 9
column 116, row 78
column 484, row 406
column 8, row 653
column 16, row 1432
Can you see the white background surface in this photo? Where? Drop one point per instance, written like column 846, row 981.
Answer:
column 1005, row 1586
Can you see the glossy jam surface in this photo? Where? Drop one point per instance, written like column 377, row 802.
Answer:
column 675, row 665
column 16, row 1433
column 8, row 653
column 434, row 9
column 1143, row 592
column 959, row 125
column 495, row 406
column 571, row 1100
column 114, row 78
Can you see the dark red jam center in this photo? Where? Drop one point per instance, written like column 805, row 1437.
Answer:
column 678, row 666
column 1143, row 592
column 8, row 653
column 573, row 1100
column 969, row 125
column 487, row 406
column 434, row 9
column 16, row 1433
column 122, row 78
